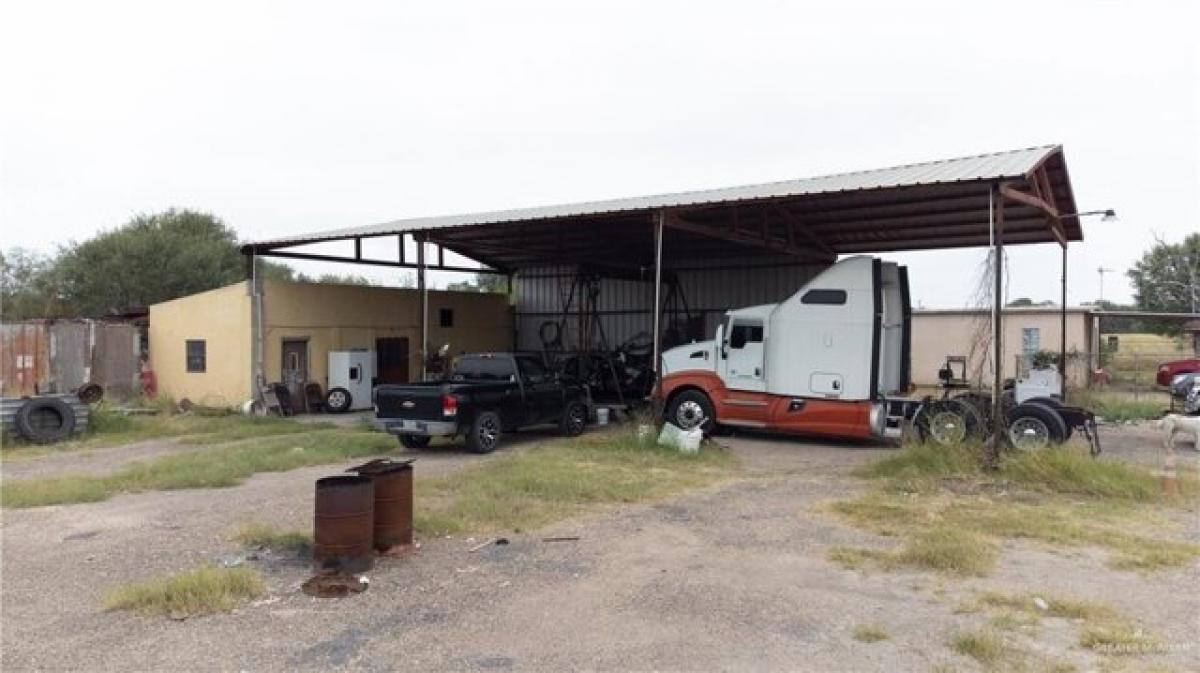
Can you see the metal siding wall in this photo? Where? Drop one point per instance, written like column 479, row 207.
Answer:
column 70, row 353
column 625, row 306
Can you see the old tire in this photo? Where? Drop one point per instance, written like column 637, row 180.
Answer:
column 338, row 400
column 1034, row 425
column 574, row 419
column 691, row 409
column 44, row 420
column 485, row 432
column 415, row 441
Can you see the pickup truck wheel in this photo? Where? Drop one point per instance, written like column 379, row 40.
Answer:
column 415, row 441
column 338, row 400
column 484, row 435
column 574, row 419
column 691, row 409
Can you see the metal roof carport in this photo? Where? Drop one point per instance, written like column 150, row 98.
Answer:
column 1005, row 198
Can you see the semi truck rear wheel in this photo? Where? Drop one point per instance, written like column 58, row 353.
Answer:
column 691, row 409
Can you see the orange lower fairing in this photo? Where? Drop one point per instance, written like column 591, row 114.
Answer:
column 778, row 413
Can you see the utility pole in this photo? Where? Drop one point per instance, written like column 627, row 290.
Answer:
column 1102, row 270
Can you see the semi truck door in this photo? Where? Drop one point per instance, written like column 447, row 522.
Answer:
column 744, row 361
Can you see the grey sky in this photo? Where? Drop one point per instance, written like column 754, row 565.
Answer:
column 291, row 117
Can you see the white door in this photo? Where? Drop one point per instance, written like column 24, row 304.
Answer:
column 744, row 355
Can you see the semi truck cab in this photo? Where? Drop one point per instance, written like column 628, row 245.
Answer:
column 823, row 361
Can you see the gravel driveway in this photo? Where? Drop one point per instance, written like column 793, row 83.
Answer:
column 733, row 577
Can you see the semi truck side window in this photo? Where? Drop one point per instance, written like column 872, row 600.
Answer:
column 743, row 333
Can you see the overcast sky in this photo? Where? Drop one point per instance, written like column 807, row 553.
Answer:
column 290, row 117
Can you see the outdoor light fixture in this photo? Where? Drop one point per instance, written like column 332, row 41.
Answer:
column 1108, row 215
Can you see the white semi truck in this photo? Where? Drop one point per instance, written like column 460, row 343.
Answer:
column 833, row 360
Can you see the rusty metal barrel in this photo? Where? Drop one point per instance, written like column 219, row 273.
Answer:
column 342, row 524
column 393, row 501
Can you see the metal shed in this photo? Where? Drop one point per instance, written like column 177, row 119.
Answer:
column 737, row 245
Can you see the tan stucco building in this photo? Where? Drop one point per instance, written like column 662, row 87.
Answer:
column 938, row 333
column 206, row 346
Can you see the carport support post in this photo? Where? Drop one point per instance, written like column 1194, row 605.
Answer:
column 1062, row 344
column 996, row 201
column 423, row 289
column 659, row 223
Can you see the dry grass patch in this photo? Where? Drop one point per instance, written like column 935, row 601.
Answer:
column 559, row 478
column 870, row 633
column 201, row 591
column 261, row 535
column 985, row 646
column 1103, row 629
column 1058, row 498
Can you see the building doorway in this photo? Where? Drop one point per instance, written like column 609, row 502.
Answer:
column 294, row 369
column 391, row 360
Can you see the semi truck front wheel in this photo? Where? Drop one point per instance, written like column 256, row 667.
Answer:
column 691, row 409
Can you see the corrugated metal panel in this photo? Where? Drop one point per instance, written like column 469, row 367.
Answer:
column 995, row 166
column 59, row 356
column 625, row 306
column 24, row 359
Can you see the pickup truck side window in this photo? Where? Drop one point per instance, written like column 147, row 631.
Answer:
column 532, row 370
column 743, row 333
column 483, row 369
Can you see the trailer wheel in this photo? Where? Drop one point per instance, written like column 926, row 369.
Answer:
column 338, row 400
column 1057, row 406
column 415, row 441
column 1034, row 425
column 45, row 420
column 949, row 422
column 691, row 409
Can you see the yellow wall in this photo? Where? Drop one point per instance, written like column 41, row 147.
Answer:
column 338, row 317
column 221, row 318
column 937, row 334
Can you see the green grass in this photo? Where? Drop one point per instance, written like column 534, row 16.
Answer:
column 255, row 535
column 1117, row 407
column 109, row 426
column 559, row 478
column 941, row 549
column 218, row 466
column 201, row 591
column 870, row 633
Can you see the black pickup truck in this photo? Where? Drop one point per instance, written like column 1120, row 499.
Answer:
column 485, row 396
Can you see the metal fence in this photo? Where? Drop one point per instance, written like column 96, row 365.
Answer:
column 58, row 356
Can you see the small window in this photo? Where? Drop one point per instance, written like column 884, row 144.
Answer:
column 197, row 355
column 1031, row 340
column 446, row 317
column 744, row 333
column 829, row 297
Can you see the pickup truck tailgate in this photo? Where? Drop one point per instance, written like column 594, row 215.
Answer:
column 409, row 402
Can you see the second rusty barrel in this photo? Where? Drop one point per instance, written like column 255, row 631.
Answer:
column 342, row 524
column 393, row 501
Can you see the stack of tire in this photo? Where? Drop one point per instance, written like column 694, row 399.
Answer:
column 44, row 419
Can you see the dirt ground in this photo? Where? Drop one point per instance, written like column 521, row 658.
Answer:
column 732, row 577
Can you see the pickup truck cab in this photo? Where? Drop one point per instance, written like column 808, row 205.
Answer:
column 486, row 395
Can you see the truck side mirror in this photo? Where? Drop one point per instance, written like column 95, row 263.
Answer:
column 724, row 350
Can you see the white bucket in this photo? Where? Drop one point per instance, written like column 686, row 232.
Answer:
column 601, row 415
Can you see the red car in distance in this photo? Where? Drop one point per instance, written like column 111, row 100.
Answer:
column 1169, row 370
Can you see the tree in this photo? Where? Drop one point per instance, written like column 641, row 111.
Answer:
column 482, row 282
column 27, row 288
column 150, row 259
column 1167, row 277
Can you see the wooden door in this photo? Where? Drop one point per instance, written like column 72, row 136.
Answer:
column 391, row 360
